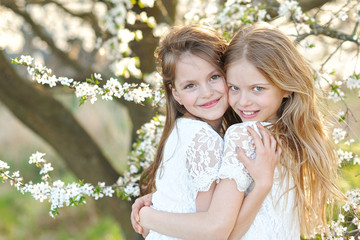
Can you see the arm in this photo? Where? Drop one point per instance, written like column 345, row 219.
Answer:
column 202, row 204
column 203, row 199
column 219, row 220
column 216, row 223
column 268, row 158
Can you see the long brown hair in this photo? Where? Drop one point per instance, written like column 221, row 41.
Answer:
column 309, row 156
column 203, row 42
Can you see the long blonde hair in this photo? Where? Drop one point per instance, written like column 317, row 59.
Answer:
column 203, row 42
column 309, row 156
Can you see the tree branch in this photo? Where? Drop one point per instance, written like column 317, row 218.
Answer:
column 40, row 32
column 88, row 17
column 57, row 126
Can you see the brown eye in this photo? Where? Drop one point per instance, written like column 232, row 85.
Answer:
column 189, row 86
column 214, row 77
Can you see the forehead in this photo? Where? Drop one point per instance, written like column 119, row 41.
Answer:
column 243, row 72
column 191, row 66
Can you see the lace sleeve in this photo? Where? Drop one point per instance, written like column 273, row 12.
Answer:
column 231, row 167
column 203, row 158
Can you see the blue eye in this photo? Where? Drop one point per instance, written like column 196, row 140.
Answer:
column 258, row 89
column 214, row 77
column 233, row 88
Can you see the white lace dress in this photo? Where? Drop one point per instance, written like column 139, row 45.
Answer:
column 277, row 219
column 190, row 164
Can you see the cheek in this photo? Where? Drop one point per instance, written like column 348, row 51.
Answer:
column 232, row 98
column 188, row 98
column 222, row 87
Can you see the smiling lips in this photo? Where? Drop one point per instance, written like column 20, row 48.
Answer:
column 248, row 114
column 210, row 104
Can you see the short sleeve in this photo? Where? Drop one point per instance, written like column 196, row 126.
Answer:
column 231, row 167
column 203, row 158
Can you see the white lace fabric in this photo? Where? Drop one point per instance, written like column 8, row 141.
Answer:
column 277, row 217
column 192, row 157
column 191, row 162
column 237, row 136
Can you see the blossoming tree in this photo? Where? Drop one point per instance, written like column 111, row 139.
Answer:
column 85, row 34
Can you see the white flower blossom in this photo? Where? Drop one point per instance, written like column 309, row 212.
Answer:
column 52, row 80
column 37, row 158
column 336, row 96
column 131, row 17
column 148, row 3
column 46, row 168
column 343, row 16
column 288, row 8
column 3, row 165
column 97, row 76
column 353, row 82
column 26, row 59
column 160, row 29
column 338, row 135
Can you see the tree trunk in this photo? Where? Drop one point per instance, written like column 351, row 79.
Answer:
column 57, row 126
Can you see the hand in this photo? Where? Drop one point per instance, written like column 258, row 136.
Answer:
column 267, row 157
column 145, row 232
column 135, row 218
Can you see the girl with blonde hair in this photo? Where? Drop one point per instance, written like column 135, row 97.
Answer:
column 268, row 80
column 189, row 154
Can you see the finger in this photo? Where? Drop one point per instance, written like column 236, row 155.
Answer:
column 256, row 137
column 242, row 157
column 273, row 143
column 148, row 203
column 265, row 133
column 136, row 226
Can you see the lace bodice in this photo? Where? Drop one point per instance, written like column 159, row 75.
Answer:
column 190, row 164
column 277, row 217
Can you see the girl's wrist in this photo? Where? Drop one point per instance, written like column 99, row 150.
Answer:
column 264, row 186
column 144, row 216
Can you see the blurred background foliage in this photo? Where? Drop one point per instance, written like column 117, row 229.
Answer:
column 33, row 27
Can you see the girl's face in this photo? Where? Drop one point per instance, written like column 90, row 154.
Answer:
column 201, row 88
column 251, row 95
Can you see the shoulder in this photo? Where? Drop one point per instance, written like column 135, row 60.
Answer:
column 241, row 128
column 195, row 128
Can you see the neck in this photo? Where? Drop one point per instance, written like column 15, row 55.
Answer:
column 215, row 124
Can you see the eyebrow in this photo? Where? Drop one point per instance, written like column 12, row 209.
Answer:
column 215, row 71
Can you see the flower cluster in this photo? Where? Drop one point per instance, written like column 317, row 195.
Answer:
column 290, row 9
column 228, row 19
column 347, row 225
column 60, row 194
column 57, row 193
column 117, row 46
column 91, row 89
column 142, row 155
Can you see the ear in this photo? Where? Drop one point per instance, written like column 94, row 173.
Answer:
column 176, row 95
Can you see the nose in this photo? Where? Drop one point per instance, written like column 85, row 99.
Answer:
column 244, row 100
column 207, row 90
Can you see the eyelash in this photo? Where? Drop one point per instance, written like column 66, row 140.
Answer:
column 189, row 86
column 216, row 77
column 257, row 87
column 233, row 88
